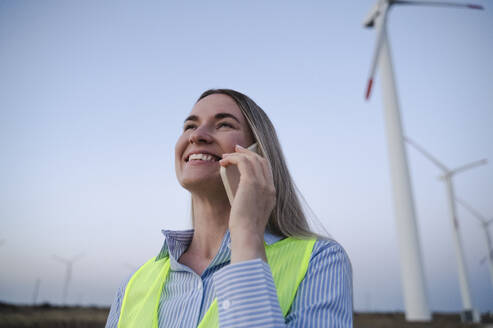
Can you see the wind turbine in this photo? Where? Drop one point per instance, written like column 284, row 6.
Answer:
column 469, row 313
column 36, row 291
column 413, row 280
column 68, row 273
column 484, row 224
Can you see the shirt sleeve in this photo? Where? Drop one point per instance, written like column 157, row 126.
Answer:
column 247, row 296
column 114, row 315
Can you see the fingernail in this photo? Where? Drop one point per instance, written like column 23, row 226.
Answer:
column 239, row 147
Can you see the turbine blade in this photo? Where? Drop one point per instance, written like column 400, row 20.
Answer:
column 381, row 30
column 426, row 154
column 474, row 213
column 368, row 88
column 470, row 166
column 77, row 257
column 60, row 259
column 439, row 4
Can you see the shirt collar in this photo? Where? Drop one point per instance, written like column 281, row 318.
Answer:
column 270, row 238
column 177, row 241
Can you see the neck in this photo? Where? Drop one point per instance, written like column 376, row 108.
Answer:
column 210, row 221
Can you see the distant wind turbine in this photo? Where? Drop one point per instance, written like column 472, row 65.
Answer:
column 36, row 291
column 413, row 280
column 469, row 313
column 484, row 224
column 68, row 273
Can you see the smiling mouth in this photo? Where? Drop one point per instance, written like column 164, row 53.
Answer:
column 202, row 157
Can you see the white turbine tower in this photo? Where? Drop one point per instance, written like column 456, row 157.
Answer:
column 469, row 313
column 484, row 224
column 68, row 273
column 413, row 280
column 36, row 291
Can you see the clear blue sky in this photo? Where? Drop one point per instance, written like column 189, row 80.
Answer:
column 93, row 94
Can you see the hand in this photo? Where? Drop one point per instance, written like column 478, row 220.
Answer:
column 252, row 205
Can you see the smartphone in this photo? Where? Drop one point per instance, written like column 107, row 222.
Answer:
column 231, row 176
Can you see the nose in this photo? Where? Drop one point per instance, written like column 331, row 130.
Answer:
column 200, row 135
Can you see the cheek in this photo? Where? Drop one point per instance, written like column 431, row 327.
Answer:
column 244, row 140
column 248, row 137
column 240, row 138
column 180, row 147
column 228, row 146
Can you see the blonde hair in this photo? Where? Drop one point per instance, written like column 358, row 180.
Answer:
column 287, row 218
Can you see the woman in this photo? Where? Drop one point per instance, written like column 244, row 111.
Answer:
column 254, row 263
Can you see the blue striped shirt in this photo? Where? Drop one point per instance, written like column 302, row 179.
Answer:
column 246, row 292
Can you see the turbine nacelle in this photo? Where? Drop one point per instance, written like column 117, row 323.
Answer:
column 373, row 14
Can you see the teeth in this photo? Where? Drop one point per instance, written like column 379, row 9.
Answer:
column 202, row 157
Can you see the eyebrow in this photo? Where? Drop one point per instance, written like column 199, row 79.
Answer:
column 218, row 116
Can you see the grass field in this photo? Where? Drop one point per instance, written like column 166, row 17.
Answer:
column 47, row 316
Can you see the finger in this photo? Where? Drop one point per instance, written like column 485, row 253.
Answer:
column 246, row 165
column 269, row 180
column 243, row 150
column 263, row 163
column 234, row 158
column 250, row 153
column 257, row 166
column 267, row 171
column 225, row 155
column 240, row 150
column 228, row 159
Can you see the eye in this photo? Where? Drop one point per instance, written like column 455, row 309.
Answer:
column 188, row 126
column 225, row 124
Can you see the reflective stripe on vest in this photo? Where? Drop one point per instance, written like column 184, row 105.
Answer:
column 288, row 260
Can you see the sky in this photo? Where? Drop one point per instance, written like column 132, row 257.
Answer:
column 92, row 99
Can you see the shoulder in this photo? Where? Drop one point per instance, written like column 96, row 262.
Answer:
column 328, row 246
column 329, row 254
column 123, row 286
column 126, row 281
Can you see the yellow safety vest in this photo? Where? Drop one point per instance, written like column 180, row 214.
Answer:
column 288, row 260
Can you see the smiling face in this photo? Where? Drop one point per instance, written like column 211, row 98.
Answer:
column 213, row 128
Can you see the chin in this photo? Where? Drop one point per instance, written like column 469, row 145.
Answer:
column 203, row 184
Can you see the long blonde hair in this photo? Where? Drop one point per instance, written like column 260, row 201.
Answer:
column 287, row 218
